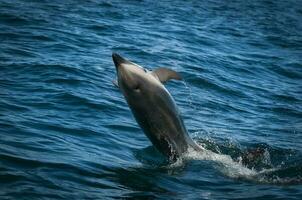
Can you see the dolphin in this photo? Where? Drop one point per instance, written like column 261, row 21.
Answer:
column 153, row 106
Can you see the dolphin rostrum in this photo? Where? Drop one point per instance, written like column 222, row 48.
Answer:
column 153, row 107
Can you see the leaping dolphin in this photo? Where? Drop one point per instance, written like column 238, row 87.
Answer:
column 153, row 107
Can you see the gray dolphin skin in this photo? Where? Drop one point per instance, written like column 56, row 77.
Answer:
column 153, row 107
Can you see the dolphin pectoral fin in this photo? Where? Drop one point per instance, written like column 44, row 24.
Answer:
column 165, row 74
column 115, row 83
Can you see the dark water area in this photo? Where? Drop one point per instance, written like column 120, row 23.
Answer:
column 67, row 133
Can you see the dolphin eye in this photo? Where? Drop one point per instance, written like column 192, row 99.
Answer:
column 136, row 88
column 145, row 70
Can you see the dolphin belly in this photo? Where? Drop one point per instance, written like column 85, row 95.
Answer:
column 162, row 124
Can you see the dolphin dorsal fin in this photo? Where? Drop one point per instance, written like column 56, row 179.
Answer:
column 165, row 74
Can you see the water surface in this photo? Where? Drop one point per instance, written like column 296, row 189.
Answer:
column 67, row 133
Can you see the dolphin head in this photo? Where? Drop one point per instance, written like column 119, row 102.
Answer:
column 132, row 78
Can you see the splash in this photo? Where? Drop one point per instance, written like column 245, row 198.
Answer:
column 190, row 99
column 235, row 169
column 224, row 163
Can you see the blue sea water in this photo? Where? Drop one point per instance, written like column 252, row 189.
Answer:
column 67, row 133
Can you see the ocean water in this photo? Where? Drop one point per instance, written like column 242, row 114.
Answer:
column 67, row 133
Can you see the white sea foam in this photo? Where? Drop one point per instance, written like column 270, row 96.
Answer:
column 224, row 163
column 235, row 169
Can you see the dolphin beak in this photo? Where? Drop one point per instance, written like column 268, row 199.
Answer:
column 118, row 60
